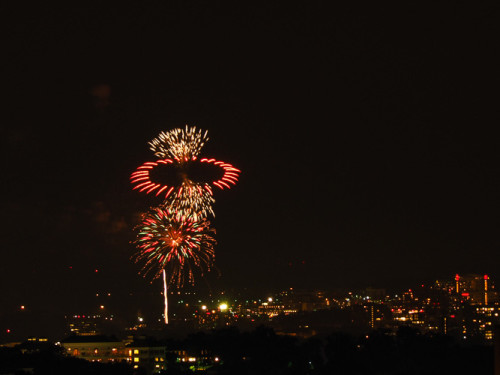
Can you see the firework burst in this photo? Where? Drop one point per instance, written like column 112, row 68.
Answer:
column 180, row 144
column 142, row 180
column 174, row 242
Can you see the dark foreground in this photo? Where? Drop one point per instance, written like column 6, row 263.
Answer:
column 264, row 352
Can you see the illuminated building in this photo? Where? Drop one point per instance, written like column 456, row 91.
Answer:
column 271, row 309
column 84, row 325
column 147, row 354
column 95, row 348
column 375, row 313
column 38, row 339
column 199, row 360
column 476, row 289
column 487, row 317
column 154, row 356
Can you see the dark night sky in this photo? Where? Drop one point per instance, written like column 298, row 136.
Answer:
column 366, row 136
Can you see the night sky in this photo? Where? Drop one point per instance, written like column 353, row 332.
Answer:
column 366, row 135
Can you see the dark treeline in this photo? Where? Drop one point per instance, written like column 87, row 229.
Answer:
column 407, row 352
column 262, row 351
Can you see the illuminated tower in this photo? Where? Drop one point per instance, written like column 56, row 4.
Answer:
column 475, row 288
column 486, row 289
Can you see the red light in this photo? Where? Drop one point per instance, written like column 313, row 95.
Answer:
column 457, row 277
column 486, row 277
column 452, row 316
column 465, row 294
column 8, row 331
column 96, row 271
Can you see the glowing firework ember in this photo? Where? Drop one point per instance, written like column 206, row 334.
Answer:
column 176, row 243
column 181, row 145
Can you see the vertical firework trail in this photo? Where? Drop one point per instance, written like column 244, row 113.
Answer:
column 165, row 297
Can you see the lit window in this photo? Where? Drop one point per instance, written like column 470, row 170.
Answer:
column 136, row 351
column 136, row 359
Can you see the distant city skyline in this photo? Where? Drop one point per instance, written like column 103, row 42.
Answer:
column 115, row 314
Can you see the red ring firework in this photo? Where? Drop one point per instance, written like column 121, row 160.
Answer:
column 142, row 179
